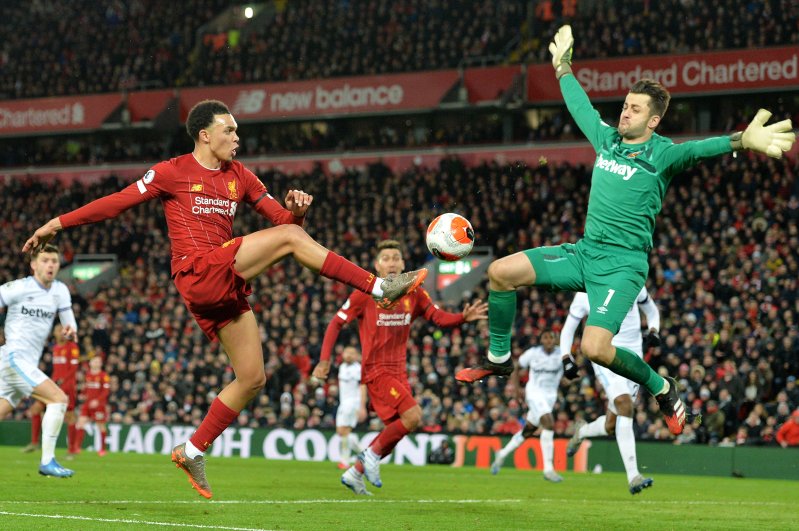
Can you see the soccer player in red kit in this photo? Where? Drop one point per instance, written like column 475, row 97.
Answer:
column 96, row 388
column 384, row 331
column 66, row 360
column 200, row 192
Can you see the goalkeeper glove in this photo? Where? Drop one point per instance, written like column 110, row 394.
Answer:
column 561, row 50
column 771, row 140
column 652, row 339
column 569, row 367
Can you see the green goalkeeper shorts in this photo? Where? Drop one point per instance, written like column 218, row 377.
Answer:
column 612, row 276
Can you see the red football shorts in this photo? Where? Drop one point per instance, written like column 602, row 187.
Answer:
column 96, row 414
column 72, row 393
column 390, row 396
column 212, row 289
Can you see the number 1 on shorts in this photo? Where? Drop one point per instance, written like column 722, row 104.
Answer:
column 611, row 292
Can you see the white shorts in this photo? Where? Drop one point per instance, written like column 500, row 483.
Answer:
column 615, row 386
column 18, row 378
column 347, row 414
column 538, row 405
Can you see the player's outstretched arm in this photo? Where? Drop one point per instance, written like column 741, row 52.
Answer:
column 474, row 311
column 43, row 234
column 771, row 140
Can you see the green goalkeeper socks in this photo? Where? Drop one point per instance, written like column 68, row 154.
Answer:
column 628, row 364
column 501, row 314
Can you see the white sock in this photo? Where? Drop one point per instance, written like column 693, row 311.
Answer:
column 355, row 447
column 346, row 451
column 52, row 420
column 498, row 359
column 548, row 449
column 595, row 429
column 514, row 443
column 625, row 438
column 377, row 291
column 192, row 451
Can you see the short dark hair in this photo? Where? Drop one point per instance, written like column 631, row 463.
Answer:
column 389, row 244
column 202, row 115
column 658, row 93
column 47, row 248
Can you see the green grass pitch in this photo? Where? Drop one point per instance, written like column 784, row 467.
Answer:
column 128, row 491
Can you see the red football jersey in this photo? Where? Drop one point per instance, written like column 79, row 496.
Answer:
column 199, row 203
column 384, row 333
column 97, row 386
column 66, row 360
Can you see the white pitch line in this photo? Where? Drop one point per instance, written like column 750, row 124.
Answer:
column 672, row 502
column 127, row 521
column 236, row 502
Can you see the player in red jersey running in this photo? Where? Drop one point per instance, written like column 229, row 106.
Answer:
column 96, row 388
column 66, row 360
column 200, row 192
column 384, row 331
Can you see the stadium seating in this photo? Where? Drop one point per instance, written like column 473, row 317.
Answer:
column 723, row 273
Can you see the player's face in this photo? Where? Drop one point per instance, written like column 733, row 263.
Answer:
column 45, row 267
column 222, row 137
column 96, row 364
column 349, row 355
column 636, row 121
column 389, row 262
column 548, row 341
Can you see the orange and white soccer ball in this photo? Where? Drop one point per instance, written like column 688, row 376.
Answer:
column 450, row 237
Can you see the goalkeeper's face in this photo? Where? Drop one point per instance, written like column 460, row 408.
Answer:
column 636, row 122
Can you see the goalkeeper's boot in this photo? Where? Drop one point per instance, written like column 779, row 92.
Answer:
column 396, row 286
column 55, row 470
column 484, row 370
column 640, row 483
column 552, row 476
column 672, row 407
column 194, row 469
column 371, row 466
column 576, row 440
column 353, row 480
column 497, row 464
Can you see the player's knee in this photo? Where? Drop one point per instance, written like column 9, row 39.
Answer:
column 292, row 234
column 253, row 382
column 597, row 349
column 412, row 418
column 610, row 426
column 624, row 405
column 499, row 272
column 529, row 430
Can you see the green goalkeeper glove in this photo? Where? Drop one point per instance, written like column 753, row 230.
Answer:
column 561, row 50
column 771, row 140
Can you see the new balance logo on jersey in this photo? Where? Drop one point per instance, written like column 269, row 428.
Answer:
column 37, row 312
column 614, row 167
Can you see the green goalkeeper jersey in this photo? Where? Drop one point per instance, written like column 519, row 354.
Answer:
column 629, row 181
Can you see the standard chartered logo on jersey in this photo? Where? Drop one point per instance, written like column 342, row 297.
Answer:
column 211, row 205
column 393, row 319
column 612, row 166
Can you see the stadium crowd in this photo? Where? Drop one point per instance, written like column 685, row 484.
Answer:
column 311, row 39
column 723, row 272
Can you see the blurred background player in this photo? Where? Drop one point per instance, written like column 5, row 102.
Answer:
column 66, row 361
column 200, row 193
column 545, row 372
column 351, row 404
column 96, row 388
column 633, row 169
column 384, row 329
column 620, row 392
column 32, row 304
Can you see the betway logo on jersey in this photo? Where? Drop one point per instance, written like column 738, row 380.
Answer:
column 210, row 205
column 614, row 167
column 393, row 319
column 37, row 312
column 319, row 99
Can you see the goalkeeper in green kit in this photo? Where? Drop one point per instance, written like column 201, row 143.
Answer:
column 633, row 169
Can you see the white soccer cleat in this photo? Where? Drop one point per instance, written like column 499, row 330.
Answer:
column 497, row 464
column 371, row 467
column 576, row 440
column 353, row 480
column 553, row 476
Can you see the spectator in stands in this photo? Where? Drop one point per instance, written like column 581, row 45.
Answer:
column 788, row 434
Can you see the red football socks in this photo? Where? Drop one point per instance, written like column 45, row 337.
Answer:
column 79, row 435
column 388, row 438
column 102, row 440
column 218, row 418
column 341, row 269
column 72, row 436
column 36, row 428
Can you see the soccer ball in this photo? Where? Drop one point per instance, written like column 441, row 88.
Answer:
column 450, row 237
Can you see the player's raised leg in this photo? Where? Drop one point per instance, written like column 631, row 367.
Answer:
column 241, row 341
column 260, row 250
column 504, row 277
